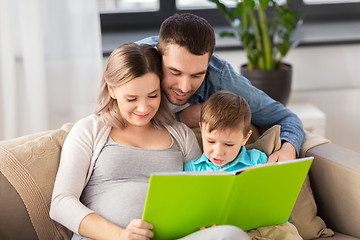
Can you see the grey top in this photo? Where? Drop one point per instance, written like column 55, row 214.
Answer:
column 118, row 185
column 79, row 154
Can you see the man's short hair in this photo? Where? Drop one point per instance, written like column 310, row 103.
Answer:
column 189, row 31
column 225, row 110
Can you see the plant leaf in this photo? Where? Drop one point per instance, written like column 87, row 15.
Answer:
column 227, row 34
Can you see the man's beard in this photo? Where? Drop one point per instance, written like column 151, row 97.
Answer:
column 168, row 95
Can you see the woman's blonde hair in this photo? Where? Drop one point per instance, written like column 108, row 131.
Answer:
column 224, row 110
column 125, row 63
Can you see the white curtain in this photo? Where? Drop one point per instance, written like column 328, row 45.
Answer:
column 50, row 63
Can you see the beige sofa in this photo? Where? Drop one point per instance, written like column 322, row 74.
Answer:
column 335, row 181
column 28, row 168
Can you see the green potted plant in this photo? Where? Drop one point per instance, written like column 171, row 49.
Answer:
column 265, row 29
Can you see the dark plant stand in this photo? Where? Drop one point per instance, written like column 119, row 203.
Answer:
column 276, row 83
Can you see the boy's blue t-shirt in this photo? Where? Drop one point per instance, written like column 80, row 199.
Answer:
column 246, row 158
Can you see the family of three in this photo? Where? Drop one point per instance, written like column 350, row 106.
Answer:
column 150, row 94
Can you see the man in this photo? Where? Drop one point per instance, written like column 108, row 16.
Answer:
column 191, row 73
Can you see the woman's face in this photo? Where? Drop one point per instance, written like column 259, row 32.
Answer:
column 139, row 99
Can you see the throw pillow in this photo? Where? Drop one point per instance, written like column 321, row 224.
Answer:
column 304, row 215
column 286, row 231
column 268, row 142
column 29, row 164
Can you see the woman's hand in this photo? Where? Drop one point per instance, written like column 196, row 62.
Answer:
column 96, row 227
column 202, row 228
column 137, row 229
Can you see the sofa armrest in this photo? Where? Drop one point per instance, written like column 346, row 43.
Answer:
column 335, row 181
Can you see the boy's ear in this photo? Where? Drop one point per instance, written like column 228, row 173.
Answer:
column 247, row 137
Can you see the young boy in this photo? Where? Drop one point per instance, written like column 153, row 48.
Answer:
column 225, row 129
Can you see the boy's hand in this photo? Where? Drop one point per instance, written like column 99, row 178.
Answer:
column 286, row 152
column 138, row 229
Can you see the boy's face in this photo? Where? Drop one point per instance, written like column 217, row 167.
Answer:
column 183, row 73
column 221, row 147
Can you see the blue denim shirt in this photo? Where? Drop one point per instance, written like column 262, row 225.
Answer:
column 265, row 112
column 246, row 158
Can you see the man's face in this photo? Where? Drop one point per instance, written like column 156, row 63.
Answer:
column 183, row 73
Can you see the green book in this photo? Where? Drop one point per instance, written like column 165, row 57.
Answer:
column 179, row 203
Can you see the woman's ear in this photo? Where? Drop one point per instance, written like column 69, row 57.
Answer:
column 247, row 137
column 111, row 91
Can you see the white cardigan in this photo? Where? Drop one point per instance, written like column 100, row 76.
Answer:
column 80, row 151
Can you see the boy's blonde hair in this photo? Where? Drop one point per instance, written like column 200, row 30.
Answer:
column 125, row 63
column 225, row 110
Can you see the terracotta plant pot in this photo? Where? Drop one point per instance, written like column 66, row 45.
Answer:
column 276, row 83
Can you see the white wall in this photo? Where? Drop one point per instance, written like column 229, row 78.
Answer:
column 328, row 77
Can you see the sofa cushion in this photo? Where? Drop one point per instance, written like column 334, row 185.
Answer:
column 268, row 142
column 13, row 215
column 304, row 215
column 28, row 168
column 285, row 231
column 335, row 179
column 338, row 236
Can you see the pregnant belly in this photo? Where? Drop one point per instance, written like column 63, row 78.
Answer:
column 117, row 202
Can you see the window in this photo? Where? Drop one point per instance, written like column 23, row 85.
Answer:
column 328, row 1
column 122, row 6
column 201, row 4
column 120, row 15
column 329, row 10
column 125, row 15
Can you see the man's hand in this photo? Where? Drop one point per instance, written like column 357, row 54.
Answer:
column 191, row 115
column 285, row 153
column 138, row 229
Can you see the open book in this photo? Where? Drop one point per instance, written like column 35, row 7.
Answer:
column 179, row 203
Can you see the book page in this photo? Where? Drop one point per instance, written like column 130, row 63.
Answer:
column 180, row 205
column 265, row 196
